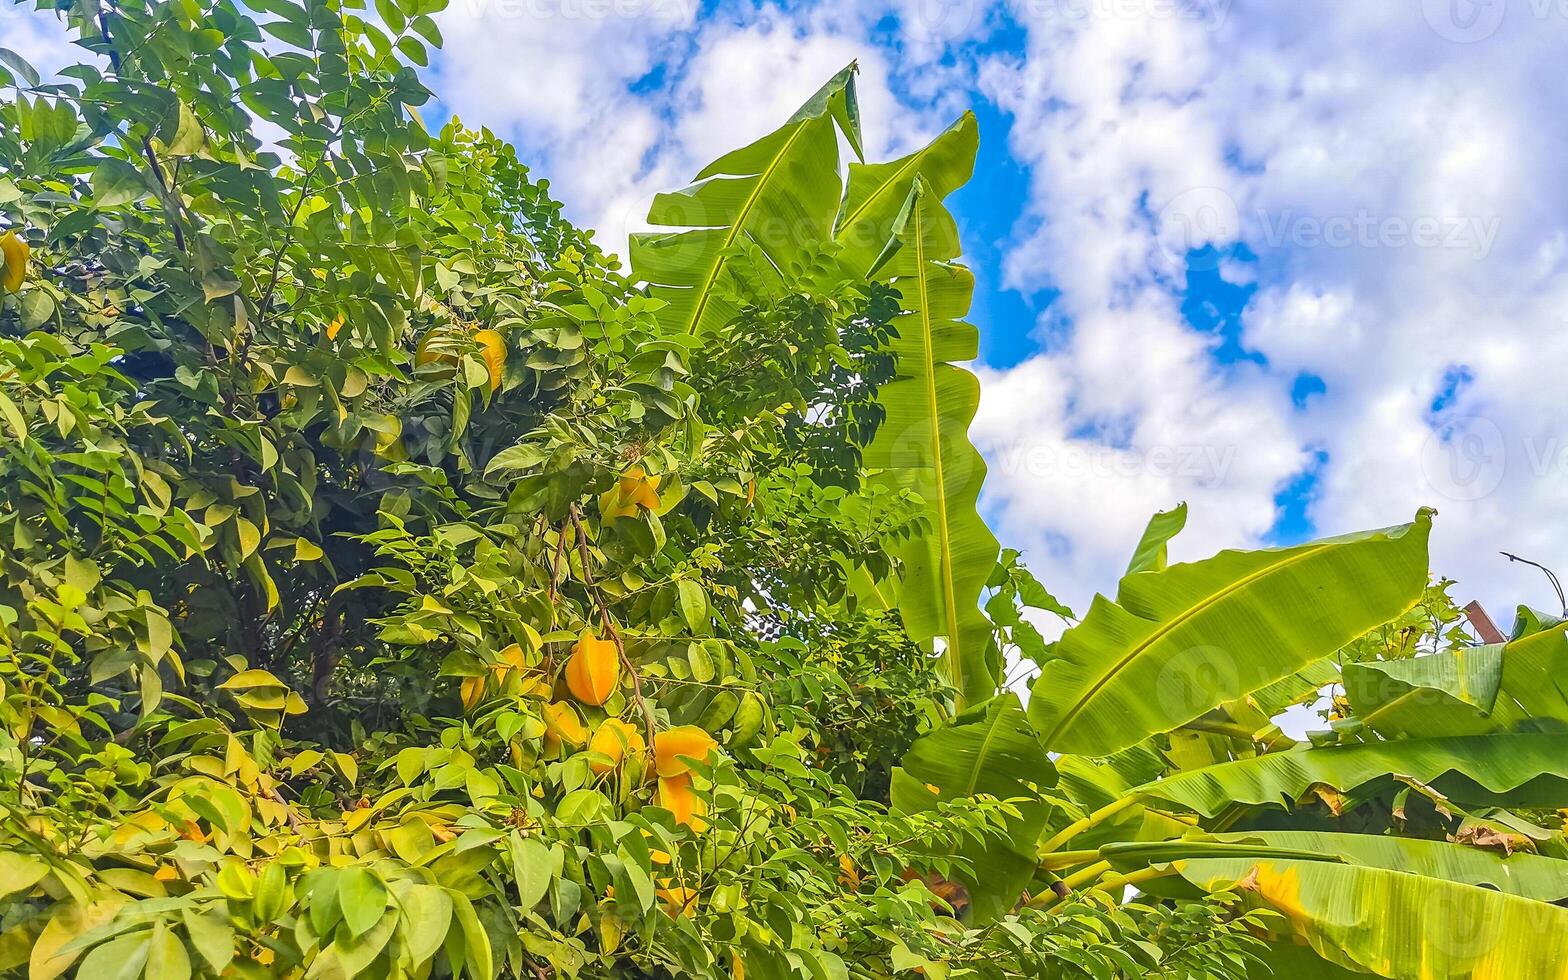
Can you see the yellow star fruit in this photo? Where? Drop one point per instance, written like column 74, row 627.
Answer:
column 15, row 252
column 677, row 796
column 615, row 739
column 562, row 724
column 672, row 748
column 636, row 490
column 492, row 346
column 593, row 670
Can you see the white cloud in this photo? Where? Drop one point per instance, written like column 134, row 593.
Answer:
column 609, row 144
column 1403, row 192
column 40, row 37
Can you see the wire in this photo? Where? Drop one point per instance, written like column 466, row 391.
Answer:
column 1557, row 586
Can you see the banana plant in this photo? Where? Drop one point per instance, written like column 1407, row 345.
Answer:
column 1179, row 641
column 780, row 194
column 923, row 444
column 1494, row 688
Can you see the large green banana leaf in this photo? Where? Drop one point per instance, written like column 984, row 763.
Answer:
column 1526, row 875
column 878, row 194
column 990, row 750
column 1467, row 691
column 1178, row 642
column 1151, row 553
column 780, row 194
column 1510, row 769
column 1393, row 924
column 923, row 443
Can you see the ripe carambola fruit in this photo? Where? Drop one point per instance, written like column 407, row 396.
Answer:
column 616, row 740
column 677, row 796
column 593, row 670
column 671, row 748
column 562, row 724
column 492, row 347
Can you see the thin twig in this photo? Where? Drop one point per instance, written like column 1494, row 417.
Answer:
column 609, row 624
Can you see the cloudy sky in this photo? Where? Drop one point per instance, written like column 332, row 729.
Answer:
column 1303, row 265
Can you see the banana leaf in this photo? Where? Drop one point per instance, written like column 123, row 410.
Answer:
column 780, row 194
column 1517, row 769
column 868, row 222
column 1151, row 553
column 1395, row 924
column 1528, row 621
column 923, row 444
column 1178, row 642
column 1500, row 687
column 989, row 750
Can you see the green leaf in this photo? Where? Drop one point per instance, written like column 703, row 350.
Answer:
column 362, row 897
column 1523, row 769
column 188, row 135
column 694, row 604
column 20, row 872
column 779, row 194
column 1468, row 690
column 923, row 446
column 13, row 418
column 24, row 71
column 1151, row 553
column 212, row 936
column 869, row 221
column 1526, row 875
column 166, row 956
column 427, row 914
column 118, row 959
column 989, row 750
column 1176, row 643
column 249, row 537
column 116, row 182
column 356, row 952
column 533, row 865
column 478, row 961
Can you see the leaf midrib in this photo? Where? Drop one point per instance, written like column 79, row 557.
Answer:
column 735, row 226
column 953, row 654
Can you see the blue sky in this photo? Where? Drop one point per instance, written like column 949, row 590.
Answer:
column 1302, row 264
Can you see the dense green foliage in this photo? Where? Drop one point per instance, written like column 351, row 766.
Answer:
column 392, row 586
